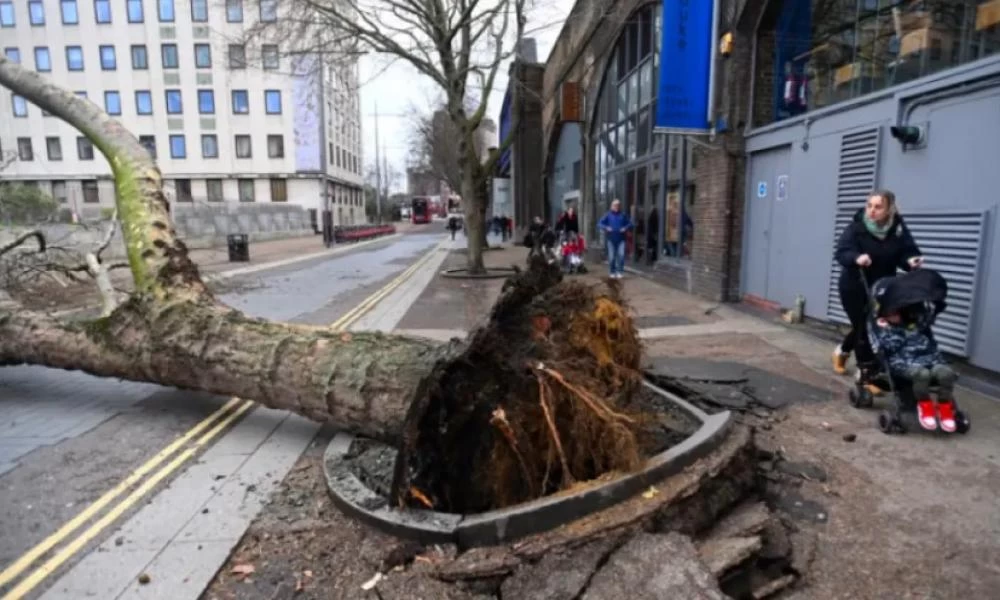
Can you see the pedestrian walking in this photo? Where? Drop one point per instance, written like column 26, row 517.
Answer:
column 615, row 225
column 877, row 242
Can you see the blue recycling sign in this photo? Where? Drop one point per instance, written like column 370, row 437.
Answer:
column 762, row 189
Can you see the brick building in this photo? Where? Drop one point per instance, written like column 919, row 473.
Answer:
column 600, row 90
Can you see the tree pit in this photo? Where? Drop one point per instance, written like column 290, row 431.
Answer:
column 543, row 409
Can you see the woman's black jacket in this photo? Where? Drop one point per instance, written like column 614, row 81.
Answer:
column 887, row 254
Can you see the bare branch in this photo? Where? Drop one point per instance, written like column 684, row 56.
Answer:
column 38, row 235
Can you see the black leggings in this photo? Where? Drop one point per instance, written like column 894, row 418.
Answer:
column 855, row 304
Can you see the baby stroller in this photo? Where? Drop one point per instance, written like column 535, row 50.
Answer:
column 920, row 295
column 572, row 248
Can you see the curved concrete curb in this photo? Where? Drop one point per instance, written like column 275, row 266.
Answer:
column 491, row 273
column 494, row 527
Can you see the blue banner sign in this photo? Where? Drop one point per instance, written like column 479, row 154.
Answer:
column 687, row 56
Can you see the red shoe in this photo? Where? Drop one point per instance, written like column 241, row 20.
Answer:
column 926, row 415
column 946, row 416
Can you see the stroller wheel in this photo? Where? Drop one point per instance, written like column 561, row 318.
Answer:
column 889, row 423
column 962, row 421
column 854, row 398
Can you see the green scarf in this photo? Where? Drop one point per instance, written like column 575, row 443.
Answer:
column 878, row 231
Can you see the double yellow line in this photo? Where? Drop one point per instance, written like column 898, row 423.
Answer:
column 365, row 307
column 221, row 418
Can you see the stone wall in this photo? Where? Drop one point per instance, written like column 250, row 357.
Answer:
column 199, row 226
column 202, row 226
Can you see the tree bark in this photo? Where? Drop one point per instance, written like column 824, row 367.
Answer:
column 475, row 219
column 358, row 382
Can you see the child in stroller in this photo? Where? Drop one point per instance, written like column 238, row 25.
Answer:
column 901, row 312
column 573, row 247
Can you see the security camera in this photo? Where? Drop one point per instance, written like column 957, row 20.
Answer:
column 909, row 135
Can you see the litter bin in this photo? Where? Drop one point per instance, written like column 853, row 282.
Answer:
column 239, row 247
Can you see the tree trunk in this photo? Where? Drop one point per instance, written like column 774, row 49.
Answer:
column 475, row 218
column 359, row 382
column 173, row 332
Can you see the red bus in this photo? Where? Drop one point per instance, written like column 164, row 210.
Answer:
column 420, row 210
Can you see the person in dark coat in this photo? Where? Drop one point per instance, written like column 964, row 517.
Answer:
column 568, row 222
column 878, row 242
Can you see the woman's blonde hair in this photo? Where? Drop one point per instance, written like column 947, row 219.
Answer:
column 890, row 199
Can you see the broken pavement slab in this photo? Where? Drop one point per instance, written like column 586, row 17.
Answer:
column 737, row 385
column 654, row 567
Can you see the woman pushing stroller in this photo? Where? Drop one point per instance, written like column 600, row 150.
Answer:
column 878, row 242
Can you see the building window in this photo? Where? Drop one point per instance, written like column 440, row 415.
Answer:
column 622, row 132
column 149, row 143
column 109, row 62
column 6, row 14
column 84, row 149
column 112, row 103
column 102, row 11
column 178, row 147
column 244, row 149
column 209, row 146
column 20, row 105
column 74, row 58
column 213, row 187
column 59, row 191
column 182, row 189
column 275, row 146
column 169, row 55
column 91, row 195
column 272, row 102
column 246, row 190
column 241, row 102
column 166, row 10
column 13, row 55
column 143, row 102
column 199, row 11
column 43, row 62
column 268, row 11
column 140, row 58
column 206, row 102
column 134, row 9
column 269, row 56
column 809, row 58
column 237, row 56
column 202, row 56
column 36, row 12
column 53, row 148
column 70, row 14
column 24, row 151
column 174, row 104
column 234, row 11
column 279, row 190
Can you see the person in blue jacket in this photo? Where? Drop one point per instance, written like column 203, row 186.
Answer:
column 614, row 224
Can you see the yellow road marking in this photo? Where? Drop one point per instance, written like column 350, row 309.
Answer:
column 77, row 544
column 50, row 542
column 369, row 303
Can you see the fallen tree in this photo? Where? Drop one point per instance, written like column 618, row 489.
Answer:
column 537, row 400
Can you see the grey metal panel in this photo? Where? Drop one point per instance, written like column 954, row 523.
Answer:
column 951, row 243
column 857, row 173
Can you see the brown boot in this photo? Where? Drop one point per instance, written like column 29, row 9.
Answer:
column 840, row 361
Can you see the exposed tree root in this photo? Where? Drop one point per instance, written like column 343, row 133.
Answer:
column 540, row 398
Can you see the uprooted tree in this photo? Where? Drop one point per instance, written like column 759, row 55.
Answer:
column 539, row 398
column 460, row 46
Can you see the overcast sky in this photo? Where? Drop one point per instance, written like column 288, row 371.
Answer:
column 396, row 88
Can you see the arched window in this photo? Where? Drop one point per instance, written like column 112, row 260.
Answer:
column 627, row 156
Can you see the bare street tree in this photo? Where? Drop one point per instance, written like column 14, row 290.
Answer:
column 461, row 46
